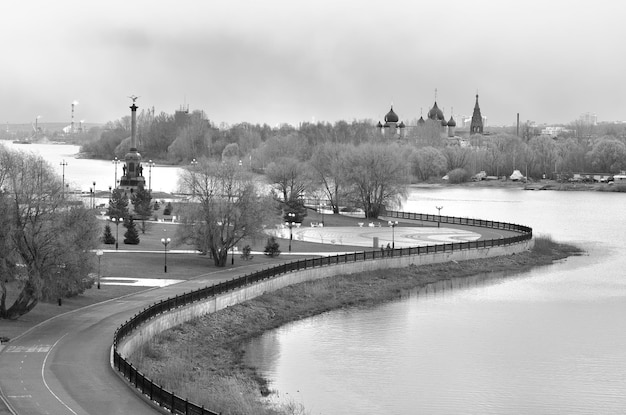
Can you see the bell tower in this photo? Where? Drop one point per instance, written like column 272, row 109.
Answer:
column 476, row 127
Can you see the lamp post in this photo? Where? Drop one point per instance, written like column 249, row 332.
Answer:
column 439, row 219
column 116, row 162
column 290, row 223
column 393, row 225
column 63, row 164
column 94, row 195
column 150, row 165
column 99, row 254
column 193, row 163
column 165, row 242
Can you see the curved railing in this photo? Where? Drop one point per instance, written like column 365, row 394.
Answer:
column 175, row 404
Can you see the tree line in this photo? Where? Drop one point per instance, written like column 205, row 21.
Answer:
column 181, row 137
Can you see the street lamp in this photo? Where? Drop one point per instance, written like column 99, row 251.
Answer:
column 290, row 223
column 117, row 230
column 99, row 254
column 63, row 164
column 116, row 162
column 193, row 163
column 150, row 165
column 393, row 225
column 165, row 242
column 439, row 219
column 94, row 195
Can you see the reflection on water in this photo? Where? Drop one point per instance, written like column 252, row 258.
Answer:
column 548, row 341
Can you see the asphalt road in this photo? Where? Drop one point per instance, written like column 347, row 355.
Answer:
column 63, row 365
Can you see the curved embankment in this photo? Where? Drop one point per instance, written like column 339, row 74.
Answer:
column 175, row 311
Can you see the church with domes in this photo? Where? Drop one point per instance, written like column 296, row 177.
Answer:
column 393, row 127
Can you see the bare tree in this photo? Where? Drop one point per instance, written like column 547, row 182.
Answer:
column 328, row 166
column 45, row 250
column 378, row 174
column 290, row 177
column 226, row 209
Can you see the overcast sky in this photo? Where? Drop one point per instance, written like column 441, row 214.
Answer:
column 275, row 61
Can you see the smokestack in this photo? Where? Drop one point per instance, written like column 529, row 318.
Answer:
column 517, row 124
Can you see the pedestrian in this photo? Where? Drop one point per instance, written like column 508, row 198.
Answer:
column 388, row 250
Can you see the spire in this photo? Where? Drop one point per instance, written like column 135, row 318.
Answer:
column 476, row 127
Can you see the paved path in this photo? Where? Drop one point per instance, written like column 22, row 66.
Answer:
column 62, row 366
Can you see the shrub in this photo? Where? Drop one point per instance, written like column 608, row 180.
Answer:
column 245, row 255
column 168, row 209
column 458, row 176
column 271, row 248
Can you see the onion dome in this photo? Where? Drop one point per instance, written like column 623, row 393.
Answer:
column 379, row 125
column 401, row 124
column 421, row 120
column 451, row 122
column 391, row 116
column 444, row 123
column 435, row 113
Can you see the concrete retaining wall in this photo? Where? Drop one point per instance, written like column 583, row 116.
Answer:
column 181, row 315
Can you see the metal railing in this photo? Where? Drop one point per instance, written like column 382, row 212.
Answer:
column 177, row 405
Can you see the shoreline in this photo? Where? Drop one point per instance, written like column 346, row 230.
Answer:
column 545, row 184
column 205, row 354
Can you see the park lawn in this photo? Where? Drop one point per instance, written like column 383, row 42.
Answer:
column 129, row 262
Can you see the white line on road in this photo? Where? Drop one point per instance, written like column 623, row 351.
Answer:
column 43, row 376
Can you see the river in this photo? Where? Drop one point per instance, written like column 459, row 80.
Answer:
column 549, row 341
column 80, row 174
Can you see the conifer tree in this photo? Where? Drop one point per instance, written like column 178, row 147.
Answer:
column 108, row 237
column 131, row 236
column 118, row 205
column 272, row 247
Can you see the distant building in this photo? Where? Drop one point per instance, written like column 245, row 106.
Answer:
column 553, row 131
column 589, row 118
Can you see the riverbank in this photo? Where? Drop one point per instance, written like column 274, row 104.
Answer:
column 203, row 359
column 529, row 185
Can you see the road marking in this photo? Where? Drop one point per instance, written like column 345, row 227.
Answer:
column 43, row 376
column 40, row 348
column 19, row 396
